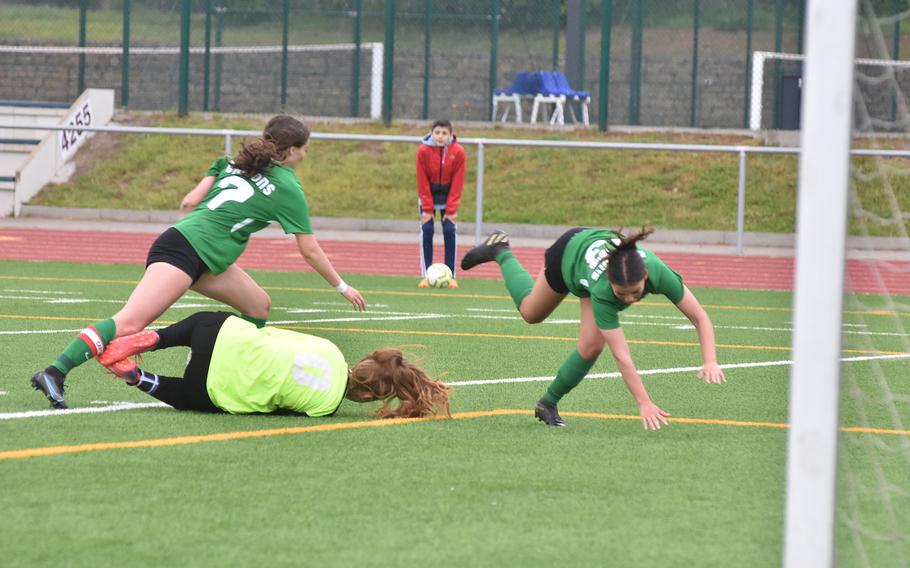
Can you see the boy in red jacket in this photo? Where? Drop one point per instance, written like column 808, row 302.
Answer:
column 440, row 177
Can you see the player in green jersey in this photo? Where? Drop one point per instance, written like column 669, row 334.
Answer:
column 238, row 368
column 234, row 199
column 608, row 273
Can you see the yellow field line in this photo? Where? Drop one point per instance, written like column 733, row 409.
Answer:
column 467, row 296
column 242, row 435
column 555, row 338
column 486, row 335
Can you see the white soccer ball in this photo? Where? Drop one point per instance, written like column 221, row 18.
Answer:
column 439, row 275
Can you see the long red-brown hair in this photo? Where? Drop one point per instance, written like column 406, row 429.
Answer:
column 386, row 375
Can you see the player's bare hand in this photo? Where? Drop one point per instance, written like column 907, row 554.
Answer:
column 652, row 416
column 425, row 218
column 353, row 296
column 712, row 374
column 453, row 217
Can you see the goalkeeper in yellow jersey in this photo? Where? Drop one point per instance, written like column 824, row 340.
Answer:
column 238, row 368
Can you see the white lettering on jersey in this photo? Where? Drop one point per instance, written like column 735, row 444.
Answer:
column 596, row 258
column 312, row 370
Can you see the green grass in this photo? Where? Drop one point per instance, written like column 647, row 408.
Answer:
column 521, row 185
column 493, row 490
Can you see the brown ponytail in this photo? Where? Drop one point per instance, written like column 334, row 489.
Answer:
column 625, row 266
column 280, row 134
column 385, row 374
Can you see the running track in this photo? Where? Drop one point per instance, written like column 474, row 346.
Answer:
column 698, row 270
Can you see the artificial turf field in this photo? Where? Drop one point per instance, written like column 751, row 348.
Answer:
column 147, row 485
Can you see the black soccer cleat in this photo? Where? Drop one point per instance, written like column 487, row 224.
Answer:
column 485, row 251
column 51, row 386
column 547, row 413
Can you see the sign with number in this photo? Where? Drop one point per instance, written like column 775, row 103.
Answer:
column 70, row 140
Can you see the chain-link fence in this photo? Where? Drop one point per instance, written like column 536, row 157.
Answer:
column 644, row 62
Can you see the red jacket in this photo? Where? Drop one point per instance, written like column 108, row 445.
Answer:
column 440, row 175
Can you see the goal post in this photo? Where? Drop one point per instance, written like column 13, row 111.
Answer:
column 824, row 177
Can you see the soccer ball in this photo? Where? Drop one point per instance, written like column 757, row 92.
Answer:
column 438, row 275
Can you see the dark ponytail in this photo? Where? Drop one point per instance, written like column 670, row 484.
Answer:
column 625, row 266
column 280, row 134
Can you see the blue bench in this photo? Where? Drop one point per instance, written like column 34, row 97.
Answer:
column 525, row 85
column 555, row 90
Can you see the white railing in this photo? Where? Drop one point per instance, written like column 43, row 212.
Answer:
column 481, row 143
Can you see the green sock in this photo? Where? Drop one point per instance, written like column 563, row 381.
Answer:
column 518, row 281
column 255, row 321
column 572, row 371
column 86, row 345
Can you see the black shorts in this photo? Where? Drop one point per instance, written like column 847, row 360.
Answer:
column 171, row 247
column 552, row 261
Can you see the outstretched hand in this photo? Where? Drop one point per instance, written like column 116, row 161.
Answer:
column 652, row 416
column 353, row 296
column 711, row 373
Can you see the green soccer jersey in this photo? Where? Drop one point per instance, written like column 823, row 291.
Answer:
column 239, row 205
column 257, row 370
column 584, row 269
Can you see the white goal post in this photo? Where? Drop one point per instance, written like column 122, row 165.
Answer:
column 824, row 178
column 756, row 103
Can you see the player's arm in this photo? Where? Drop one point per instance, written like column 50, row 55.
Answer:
column 652, row 416
column 711, row 371
column 196, row 195
column 314, row 256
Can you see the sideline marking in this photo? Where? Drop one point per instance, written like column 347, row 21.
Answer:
column 669, row 371
column 159, row 323
column 241, row 435
column 874, row 312
column 86, row 410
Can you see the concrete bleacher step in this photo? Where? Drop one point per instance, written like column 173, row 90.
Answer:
column 30, row 113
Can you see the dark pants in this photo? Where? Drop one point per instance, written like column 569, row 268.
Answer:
column 198, row 332
column 449, row 241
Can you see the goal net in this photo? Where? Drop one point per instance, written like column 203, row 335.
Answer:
column 777, row 82
column 848, row 489
column 322, row 80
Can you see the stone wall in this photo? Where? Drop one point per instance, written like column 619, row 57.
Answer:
column 319, row 84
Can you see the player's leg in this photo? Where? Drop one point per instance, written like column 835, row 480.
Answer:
column 574, row 368
column 198, row 332
column 237, row 289
column 161, row 285
column 450, row 240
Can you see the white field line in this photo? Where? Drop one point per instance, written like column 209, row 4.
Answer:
column 3, row 393
column 22, row 291
column 666, row 371
column 118, row 406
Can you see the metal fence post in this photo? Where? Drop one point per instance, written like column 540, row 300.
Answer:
column 478, row 215
column 557, row 16
column 219, row 15
column 388, row 72
column 355, row 80
column 207, row 58
column 183, row 102
column 286, row 12
column 896, row 54
column 427, row 54
column 741, row 203
column 494, row 52
column 635, row 64
column 778, row 45
column 747, row 96
column 125, row 58
column 606, row 36
column 695, row 23
column 83, row 16
column 228, row 144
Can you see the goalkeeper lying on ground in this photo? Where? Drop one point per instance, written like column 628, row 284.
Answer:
column 238, row 368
